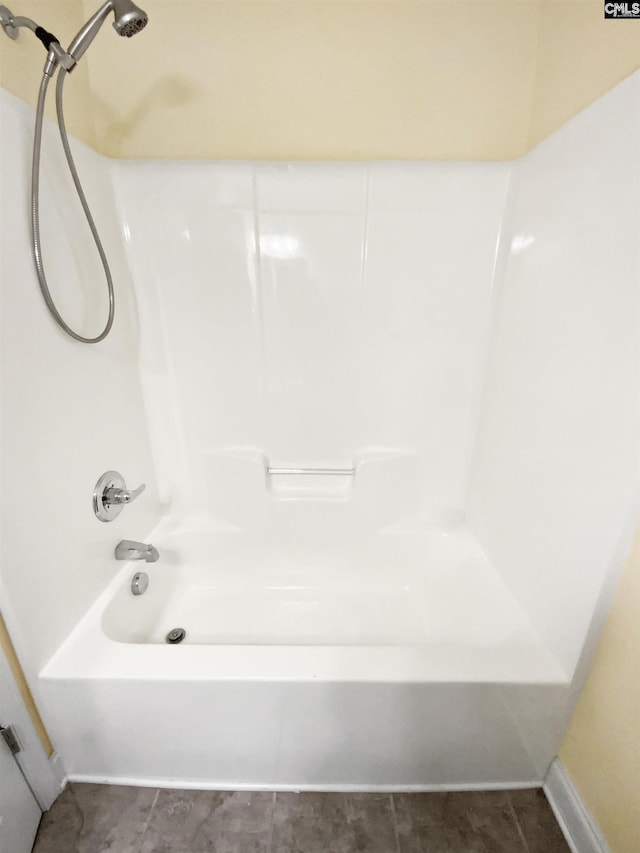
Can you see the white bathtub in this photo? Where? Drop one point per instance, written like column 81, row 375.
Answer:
column 295, row 674
column 408, row 606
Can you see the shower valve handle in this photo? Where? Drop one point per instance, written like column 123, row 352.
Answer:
column 111, row 495
column 122, row 496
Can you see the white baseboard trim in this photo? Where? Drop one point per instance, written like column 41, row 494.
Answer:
column 58, row 768
column 199, row 785
column 577, row 824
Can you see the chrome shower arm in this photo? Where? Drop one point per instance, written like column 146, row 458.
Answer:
column 21, row 21
column 11, row 24
column 56, row 55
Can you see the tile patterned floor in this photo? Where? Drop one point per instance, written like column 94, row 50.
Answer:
column 112, row 819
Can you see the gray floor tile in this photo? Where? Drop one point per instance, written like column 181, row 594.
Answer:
column 538, row 822
column 458, row 822
column 207, row 821
column 113, row 819
column 95, row 819
column 333, row 823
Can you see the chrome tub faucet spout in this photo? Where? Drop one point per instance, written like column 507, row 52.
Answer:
column 129, row 550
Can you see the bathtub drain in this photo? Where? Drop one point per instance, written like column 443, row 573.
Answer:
column 176, row 635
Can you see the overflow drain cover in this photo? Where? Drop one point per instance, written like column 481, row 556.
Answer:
column 176, row 635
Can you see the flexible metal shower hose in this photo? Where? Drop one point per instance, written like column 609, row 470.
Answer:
column 35, row 211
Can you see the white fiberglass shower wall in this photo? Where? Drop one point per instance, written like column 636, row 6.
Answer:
column 393, row 416
column 295, row 280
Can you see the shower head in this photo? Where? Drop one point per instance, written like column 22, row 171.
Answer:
column 129, row 20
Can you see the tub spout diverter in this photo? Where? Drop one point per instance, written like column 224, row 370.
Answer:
column 129, row 550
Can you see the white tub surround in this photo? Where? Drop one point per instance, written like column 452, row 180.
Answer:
column 393, row 409
column 69, row 411
column 555, row 470
column 324, row 316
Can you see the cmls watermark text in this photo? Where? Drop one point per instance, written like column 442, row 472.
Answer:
column 622, row 10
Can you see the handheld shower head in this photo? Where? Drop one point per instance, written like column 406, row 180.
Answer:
column 129, row 20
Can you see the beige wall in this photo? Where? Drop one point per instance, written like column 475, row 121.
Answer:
column 580, row 57
column 332, row 79
column 318, row 80
column 601, row 750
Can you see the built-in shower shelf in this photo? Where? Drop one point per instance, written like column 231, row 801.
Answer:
column 329, row 472
column 372, row 475
column 310, row 483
